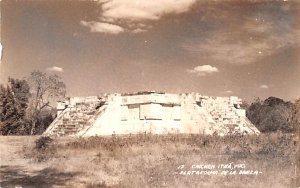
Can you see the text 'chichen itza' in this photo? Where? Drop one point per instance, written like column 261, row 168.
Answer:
column 150, row 112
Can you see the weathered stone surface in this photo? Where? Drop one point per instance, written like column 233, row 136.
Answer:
column 158, row 113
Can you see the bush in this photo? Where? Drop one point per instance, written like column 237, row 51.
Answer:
column 271, row 115
column 42, row 143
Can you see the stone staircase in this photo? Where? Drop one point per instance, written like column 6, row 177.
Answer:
column 223, row 115
column 89, row 124
column 75, row 119
column 227, row 119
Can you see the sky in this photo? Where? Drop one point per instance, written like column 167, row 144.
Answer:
column 245, row 48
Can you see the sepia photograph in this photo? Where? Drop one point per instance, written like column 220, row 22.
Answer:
column 149, row 93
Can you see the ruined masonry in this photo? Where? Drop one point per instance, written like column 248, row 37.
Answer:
column 150, row 112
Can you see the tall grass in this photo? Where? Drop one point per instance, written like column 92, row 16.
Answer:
column 146, row 160
column 275, row 144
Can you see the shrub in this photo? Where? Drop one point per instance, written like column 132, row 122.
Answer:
column 271, row 115
column 42, row 143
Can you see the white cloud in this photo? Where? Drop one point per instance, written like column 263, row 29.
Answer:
column 229, row 91
column 139, row 30
column 263, row 86
column 203, row 70
column 103, row 27
column 114, row 12
column 143, row 9
column 55, row 69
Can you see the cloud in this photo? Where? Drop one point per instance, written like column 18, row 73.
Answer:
column 229, row 91
column 143, row 9
column 55, row 69
column 103, row 27
column 263, row 86
column 203, row 70
column 223, row 48
column 246, row 40
column 115, row 12
column 139, row 30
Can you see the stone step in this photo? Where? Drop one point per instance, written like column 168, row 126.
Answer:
column 65, row 132
column 62, row 126
column 70, row 132
column 71, row 129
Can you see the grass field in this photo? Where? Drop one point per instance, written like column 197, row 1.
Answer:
column 267, row 160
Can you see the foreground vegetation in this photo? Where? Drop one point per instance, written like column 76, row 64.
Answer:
column 154, row 161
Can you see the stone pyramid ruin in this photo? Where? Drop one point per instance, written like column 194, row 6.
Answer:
column 150, row 112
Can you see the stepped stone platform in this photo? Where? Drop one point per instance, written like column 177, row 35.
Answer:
column 150, row 112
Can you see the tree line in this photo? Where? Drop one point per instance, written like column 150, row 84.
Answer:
column 26, row 105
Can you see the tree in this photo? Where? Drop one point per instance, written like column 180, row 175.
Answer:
column 13, row 105
column 272, row 114
column 45, row 89
column 20, row 89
